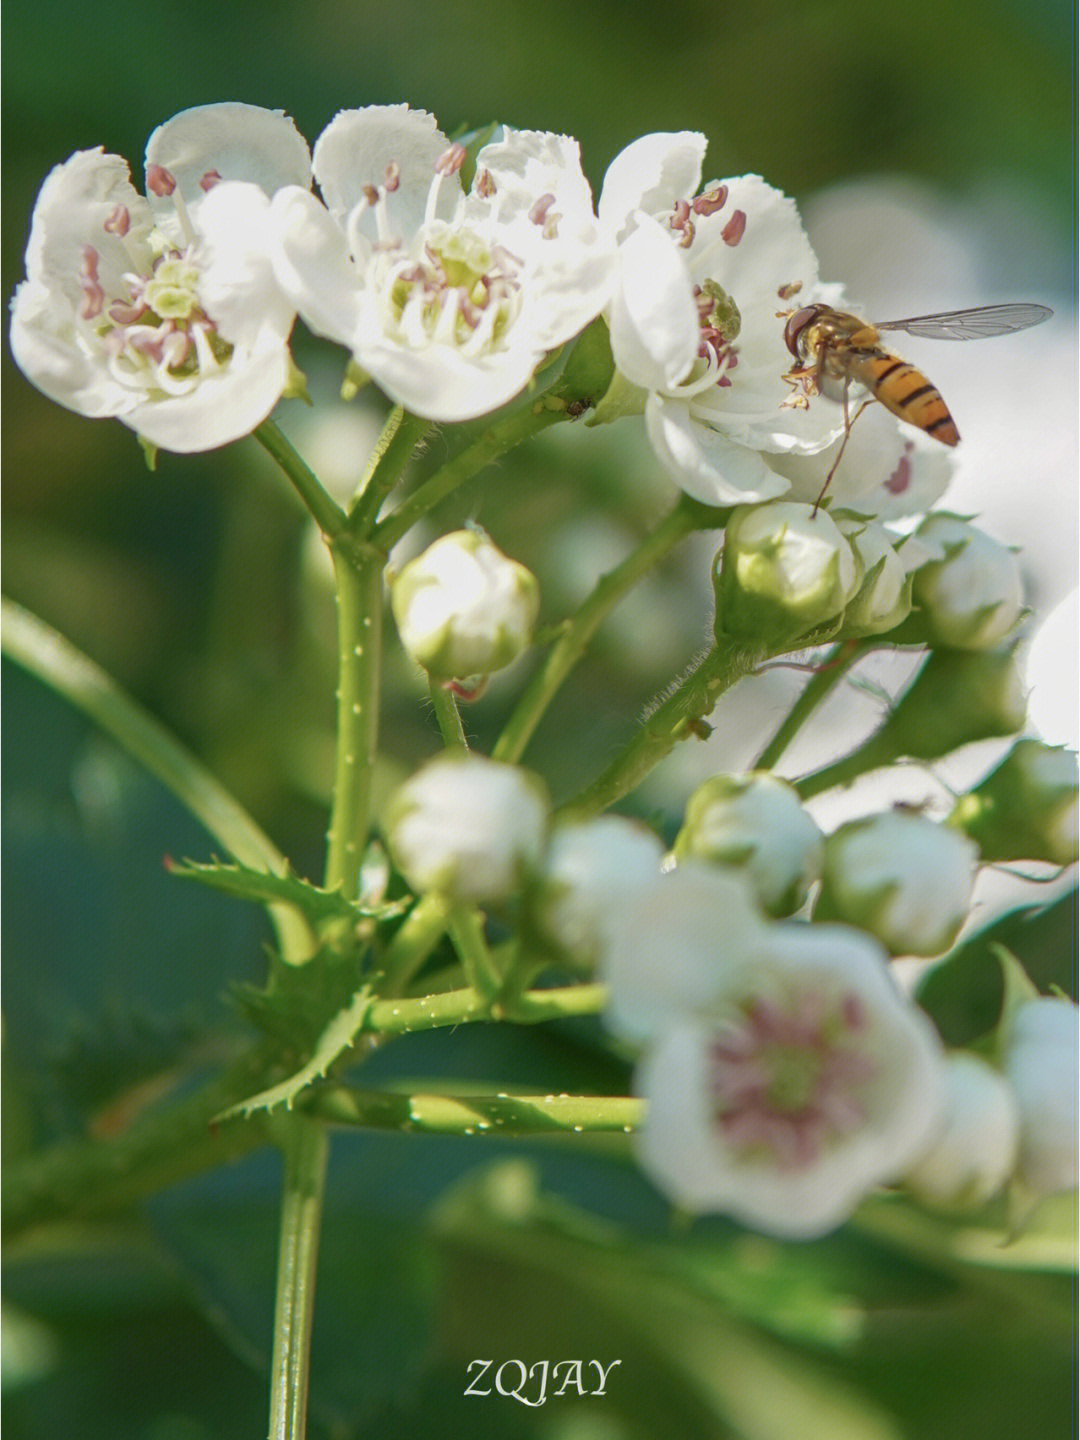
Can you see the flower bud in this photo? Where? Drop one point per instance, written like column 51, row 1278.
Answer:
column 786, row 570
column 463, row 608
column 1040, row 1060
column 1026, row 809
column 755, row 821
column 900, row 876
column 883, row 598
column 957, row 697
column 972, row 598
column 468, row 827
column 592, row 867
column 975, row 1149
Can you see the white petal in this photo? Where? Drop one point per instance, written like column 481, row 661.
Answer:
column 650, row 175
column 222, row 408
column 44, row 347
column 312, row 264
column 439, row 383
column 654, row 321
column 71, row 210
column 240, row 142
column 567, row 292
column 356, row 147
column 237, row 285
column 527, row 164
column 705, row 463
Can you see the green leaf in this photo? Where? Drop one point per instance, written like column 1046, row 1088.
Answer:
column 322, row 907
column 337, row 1038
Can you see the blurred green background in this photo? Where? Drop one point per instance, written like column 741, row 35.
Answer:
column 201, row 588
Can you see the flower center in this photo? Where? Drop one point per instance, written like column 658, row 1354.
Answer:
column 463, row 292
column 155, row 333
column 787, row 1081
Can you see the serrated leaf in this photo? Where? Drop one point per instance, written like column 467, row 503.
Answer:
column 322, row 907
column 338, row 1037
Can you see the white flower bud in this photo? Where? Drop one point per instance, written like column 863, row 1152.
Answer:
column 463, row 608
column 786, row 570
column 973, row 598
column 975, row 1149
column 1040, row 1059
column 592, row 867
column 883, row 599
column 468, row 827
column 902, row 877
column 1026, row 809
column 756, row 821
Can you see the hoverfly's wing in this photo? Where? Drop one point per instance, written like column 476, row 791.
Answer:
column 977, row 324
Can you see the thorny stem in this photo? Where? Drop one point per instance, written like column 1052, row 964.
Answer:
column 307, row 1149
column 574, row 639
column 498, row 1115
column 673, row 720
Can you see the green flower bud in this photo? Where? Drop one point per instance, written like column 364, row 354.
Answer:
column 883, row 599
column 757, row 822
column 973, row 597
column 956, row 698
column 901, row 877
column 975, row 1149
column 786, row 571
column 463, row 608
column 1026, row 809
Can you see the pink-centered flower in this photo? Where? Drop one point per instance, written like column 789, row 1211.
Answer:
column 448, row 300
column 787, row 1076
column 695, row 330
column 163, row 311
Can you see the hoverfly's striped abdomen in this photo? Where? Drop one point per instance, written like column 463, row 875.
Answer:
column 908, row 394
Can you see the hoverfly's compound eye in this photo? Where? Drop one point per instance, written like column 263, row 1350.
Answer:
column 796, row 324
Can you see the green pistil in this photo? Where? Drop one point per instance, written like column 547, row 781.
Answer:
column 724, row 315
column 795, row 1075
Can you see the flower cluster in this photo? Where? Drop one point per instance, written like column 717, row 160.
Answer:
column 173, row 312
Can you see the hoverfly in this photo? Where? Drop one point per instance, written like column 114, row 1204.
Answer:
column 835, row 350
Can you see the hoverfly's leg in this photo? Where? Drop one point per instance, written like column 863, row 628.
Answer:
column 848, row 423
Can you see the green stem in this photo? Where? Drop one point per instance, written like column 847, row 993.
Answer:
column 414, row 942
column 879, row 750
column 467, row 933
column 673, row 720
column 574, row 639
column 358, row 570
column 495, row 441
column 499, row 1115
column 822, row 682
column 57, row 663
column 461, row 1007
column 448, row 715
column 325, row 510
column 306, row 1153
column 400, row 436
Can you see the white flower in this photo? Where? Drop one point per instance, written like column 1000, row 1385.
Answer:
column 785, row 570
column 974, row 1151
column 973, row 597
column 164, row 312
column 888, row 470
column 900, row 876
column 464, row 608
column 449, row 301
column 1040, row 1059
column 806, row 1080
column 883, row 599
column 694, row 321
column 756, row 821
column 672, row 943
column 469, row 827
column 592, row 867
